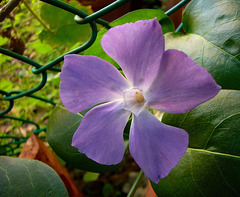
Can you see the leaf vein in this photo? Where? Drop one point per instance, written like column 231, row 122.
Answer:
column 214, row 153
column 217, row 126
column 8, row 180
column 194, row 181
column 216, row 47
column 219, row 25
column 184, row 119
column 47, row 176
column 29, row 174
column 224, row 177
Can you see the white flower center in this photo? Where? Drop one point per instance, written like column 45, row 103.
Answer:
column 133, row 100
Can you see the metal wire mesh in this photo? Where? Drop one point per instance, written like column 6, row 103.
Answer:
column 81, row 17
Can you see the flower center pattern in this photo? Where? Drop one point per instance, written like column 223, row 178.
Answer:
column 133, row 100
column 139, row 97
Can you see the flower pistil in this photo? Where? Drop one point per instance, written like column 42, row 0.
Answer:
column 133, row 100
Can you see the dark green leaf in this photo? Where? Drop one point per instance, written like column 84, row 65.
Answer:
column 27, row 177
column 61, row 126
column 143, row 14
column 146, row 14
column 211, row 166
column 212, row 39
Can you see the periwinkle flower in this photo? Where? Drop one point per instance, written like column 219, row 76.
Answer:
column 167, row 81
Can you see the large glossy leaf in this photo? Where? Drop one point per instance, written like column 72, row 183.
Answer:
column 211, row 166
column 27, row 177
column 61, row 126
column 212, row 39
column 143, row 14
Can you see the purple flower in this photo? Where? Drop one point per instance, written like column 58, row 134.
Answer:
column 168, row 81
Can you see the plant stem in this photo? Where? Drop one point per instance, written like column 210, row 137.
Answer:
column 7, row 8
column 36, row 16
column 136, row 184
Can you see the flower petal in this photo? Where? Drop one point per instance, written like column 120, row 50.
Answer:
column 181, row 84
column 100, row 134
column 156, row 147
column 137, row 48
column 89, row 80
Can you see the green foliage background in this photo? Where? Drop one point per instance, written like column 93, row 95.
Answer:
column 210, row 167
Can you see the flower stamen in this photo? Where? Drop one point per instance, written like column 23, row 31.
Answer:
column 139, row 97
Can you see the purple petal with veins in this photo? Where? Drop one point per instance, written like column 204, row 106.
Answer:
column 164, row 80
column 100, row 134
column 137, row 48
column 89, row 80
column 181, row 85
column 156, row 147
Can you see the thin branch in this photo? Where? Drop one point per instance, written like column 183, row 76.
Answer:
column 36, row 16
column 136, row 184
column 7, row 8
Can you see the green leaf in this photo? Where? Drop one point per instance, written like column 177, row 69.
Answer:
column 143, row 14
column 64, row 30
column 146, row 14
column 5, row 85
column 211, row 166
column 3, row 40
column 57, row 17
column 27, row 177
column 4, row 58
column 212, row 39
column 40, row 47
column 68, row 35
column 108, row 190
column 90, row 176
column 61, row 126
